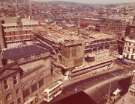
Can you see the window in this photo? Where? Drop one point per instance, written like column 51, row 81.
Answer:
column 15, row 79
column 8, row 97
column 94, row 49
column 132, row 56
column 60, row 58
column 128, row 48
column 18, row 100
column 5, row 84
column 34, row 87
column 17, row 91
column 133, row 50
column 41, row 82
column 74, row 51
column 26, row 93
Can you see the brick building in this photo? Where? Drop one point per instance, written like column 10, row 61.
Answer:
column 16, row 31
column 113, row 26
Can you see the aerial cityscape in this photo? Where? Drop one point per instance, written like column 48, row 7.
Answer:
column 67, row 52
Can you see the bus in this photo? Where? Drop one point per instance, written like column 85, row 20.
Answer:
column 80, row 71
column 53, row 91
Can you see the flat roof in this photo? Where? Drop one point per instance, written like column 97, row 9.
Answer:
column 23, row 52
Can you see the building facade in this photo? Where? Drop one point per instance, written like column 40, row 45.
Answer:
column 30, row 73
column 17, row 30
column 129, row 49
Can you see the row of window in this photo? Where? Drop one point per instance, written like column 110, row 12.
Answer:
column 129, row 43
column 17, row 32
column 22, row 37
column 7, row 85
column 9, row 98
column 8, row 27
column 33, row 88
column 128, row 49
column 90, row 50
column 132, row 57
column 26, row 92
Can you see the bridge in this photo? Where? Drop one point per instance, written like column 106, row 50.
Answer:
column 96, row 87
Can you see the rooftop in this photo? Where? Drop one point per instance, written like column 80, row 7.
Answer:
column 23, row 52
column 65, row 36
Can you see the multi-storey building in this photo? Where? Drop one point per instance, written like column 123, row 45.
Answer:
column 113, row 26
column 129, row 49
column 80, row 51
column 16, row 31
column 24, row 81
column 55, row 52
column 10, row 92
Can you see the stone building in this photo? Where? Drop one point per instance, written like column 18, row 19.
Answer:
column 10, row 85
column 113, row 26
column 129, row 49
column 68, row 51
column 26, row 75
column 79, row 52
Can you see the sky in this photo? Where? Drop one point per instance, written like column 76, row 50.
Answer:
column 95, row 1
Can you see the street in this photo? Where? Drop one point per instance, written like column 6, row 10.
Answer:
column 85, row 84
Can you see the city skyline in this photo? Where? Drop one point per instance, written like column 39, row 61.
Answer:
column 95, row 1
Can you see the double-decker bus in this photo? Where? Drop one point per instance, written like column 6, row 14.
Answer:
column 52, row 91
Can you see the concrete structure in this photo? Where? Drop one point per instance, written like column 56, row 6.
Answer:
column 78, row 52
column 17, row 30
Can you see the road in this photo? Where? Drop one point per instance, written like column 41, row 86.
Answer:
column 87, row 83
